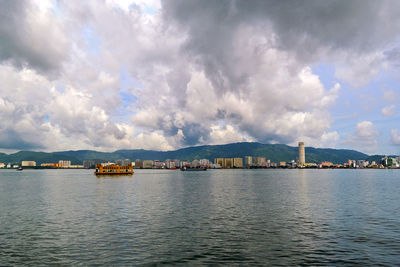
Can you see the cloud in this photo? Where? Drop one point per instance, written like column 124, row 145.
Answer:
column 389, row 110
column 364, row 137
column 31, row 36
column 395, row 137
column 199, row 72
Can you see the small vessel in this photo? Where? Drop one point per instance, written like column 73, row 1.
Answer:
column 113, row 169
column 193, row 169
column 19, row 168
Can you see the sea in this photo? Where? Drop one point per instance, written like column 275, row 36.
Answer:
column 259, row 217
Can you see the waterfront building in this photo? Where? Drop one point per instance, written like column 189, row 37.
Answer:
column 282, row 164
column 302, row 154
column 64, row 163
column 54, row 165
column 351, row 163
column 2, row 165
column 123, row 162
column 292, row 164
column 28, row 163
column 391, row 162
column 238, row 163
column 138, row 164
column 205, row 163
column 228, row 163
column 259, row 161
column 326, row 164
column 9, row 165
column 310, row 165
column 107, row 164
column 219, row 161
column 248, row 161
column 158, row 164
column 195, row 163
column 169, row 164
column 147, row 164
column 88, row 164
column 184, row 163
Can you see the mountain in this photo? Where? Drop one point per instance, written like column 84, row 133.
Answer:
column 274, row 152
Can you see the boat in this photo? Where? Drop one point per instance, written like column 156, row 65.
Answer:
column 19, row 168
column 113, row 169
column 193, row 169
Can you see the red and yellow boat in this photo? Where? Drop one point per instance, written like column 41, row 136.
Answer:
column 113, row 169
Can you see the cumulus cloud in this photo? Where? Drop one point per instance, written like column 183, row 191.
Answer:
column 395, row 137
column 163, row 75
column 389, row 110
column 364, row 137
column 31, row 36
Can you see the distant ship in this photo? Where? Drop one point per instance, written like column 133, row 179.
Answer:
column 113, row 169
column 193, row 169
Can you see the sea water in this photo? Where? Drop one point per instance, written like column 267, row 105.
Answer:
column 249, row 217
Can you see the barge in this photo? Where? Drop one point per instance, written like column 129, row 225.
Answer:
column 113, row 169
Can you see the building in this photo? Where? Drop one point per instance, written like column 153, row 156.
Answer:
column 259, row 161
column 225, row 163
column 54, row 165
column 205, row 163
column 184, row 163
column 123, row 162
column 28, row 163
column 302, row 154
column 2, row 165
column 147, row 164
column 138, row 164
column 64, row 163
column 326, row 164
column 219, row 161
column 238, row 163
column 88, row 164
column 195, row 163
column 158, row 164
column 248, row 161
column 228, row 163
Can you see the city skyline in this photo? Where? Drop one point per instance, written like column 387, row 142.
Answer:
column 135, row 74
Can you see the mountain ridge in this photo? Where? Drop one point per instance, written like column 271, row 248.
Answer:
column 274, row 152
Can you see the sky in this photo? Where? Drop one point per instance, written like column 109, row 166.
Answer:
column 135, row 74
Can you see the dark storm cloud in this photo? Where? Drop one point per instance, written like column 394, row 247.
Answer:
column 194, row 133
column 300, row 25
column 9, row 139
column 27, row 41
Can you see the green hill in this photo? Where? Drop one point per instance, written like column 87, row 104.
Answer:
column 274, row 152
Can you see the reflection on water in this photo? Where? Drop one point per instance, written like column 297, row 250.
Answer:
column 252, row 217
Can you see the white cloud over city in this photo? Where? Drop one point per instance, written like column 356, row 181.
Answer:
column 108, row 75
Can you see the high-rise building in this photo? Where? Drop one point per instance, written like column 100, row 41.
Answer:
column 238, row 163
column 64, row 163
column 87, row 164
column 219, row 161
column 248, row 161
column 302, row 154
column 147, row 164
column 259, row 161
column 138, row 164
